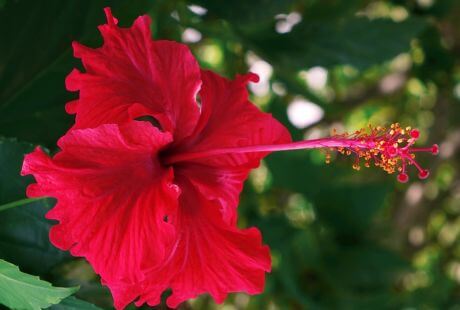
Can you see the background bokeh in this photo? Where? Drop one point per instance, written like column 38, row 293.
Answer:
column 340, row 239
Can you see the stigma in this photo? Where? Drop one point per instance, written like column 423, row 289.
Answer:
column 392, row 149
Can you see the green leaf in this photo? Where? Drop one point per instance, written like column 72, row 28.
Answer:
column 12, row 185
column 363, row 277
column 244, row 13
column 19, row 290
column 36, row 57
column 365, row 266
column 356, row 41
column 345, row 206
column 349, row 209
column 24, row 238
column 72, row 303
column 23, row 228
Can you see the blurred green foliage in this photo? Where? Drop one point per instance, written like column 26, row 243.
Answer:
column 339, row 239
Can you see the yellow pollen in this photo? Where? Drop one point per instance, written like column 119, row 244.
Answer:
column 374, row 145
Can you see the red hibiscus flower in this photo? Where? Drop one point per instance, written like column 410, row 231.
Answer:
column 152, row 204
column 146, row 225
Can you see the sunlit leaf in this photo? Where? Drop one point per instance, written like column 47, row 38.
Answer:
column 19, row 290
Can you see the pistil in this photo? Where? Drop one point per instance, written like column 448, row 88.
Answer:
column 390, row 149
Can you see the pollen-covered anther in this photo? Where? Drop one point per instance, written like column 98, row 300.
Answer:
column 390, row 149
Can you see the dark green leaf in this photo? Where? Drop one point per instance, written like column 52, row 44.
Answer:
column 12, row 185
column 34, row 64
column 364, row 267
column 359, row 42
column 72, row 303
column 24, row 238
column 244, row 13
column 23, row 229
column 348, row 207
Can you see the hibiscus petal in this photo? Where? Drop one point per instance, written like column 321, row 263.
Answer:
column 222, row 185
column 112, row 199
column 228, row 119
column 210, row 256
column 130, row 69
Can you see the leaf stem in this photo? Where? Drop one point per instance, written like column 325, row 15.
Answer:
column 18, row 203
